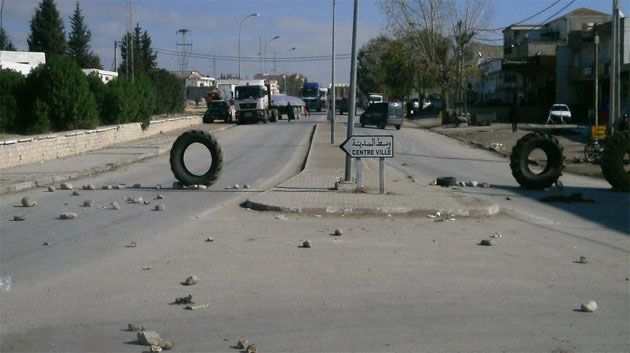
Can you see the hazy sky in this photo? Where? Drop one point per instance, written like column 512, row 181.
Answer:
column 214, row 26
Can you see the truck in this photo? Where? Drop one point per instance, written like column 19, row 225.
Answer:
column 342, row 98
column 254, row 103
column 311, row 95
column 323, row 97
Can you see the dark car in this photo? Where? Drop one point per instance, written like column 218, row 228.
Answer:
column 219, row 110
column 383, row 114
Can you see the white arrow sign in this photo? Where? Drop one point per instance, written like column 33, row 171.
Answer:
column 369, row 146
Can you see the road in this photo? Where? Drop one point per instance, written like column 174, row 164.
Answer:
column 388, row 284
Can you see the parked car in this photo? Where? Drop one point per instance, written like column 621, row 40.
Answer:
column 219, row 110
column 383, row 114
column 559, row 114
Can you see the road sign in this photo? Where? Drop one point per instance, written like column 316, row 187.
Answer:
column 369, row 146
column 598, row 132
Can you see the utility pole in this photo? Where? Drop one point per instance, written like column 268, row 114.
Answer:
column 614, row 69
column 184, row 47
column 353, row 88
column 331, row 108
column 129, row 42
column 214, row 67
column 260, row 62
column 596, row 75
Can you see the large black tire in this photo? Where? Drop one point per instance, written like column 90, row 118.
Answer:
column 613, row 164
column 178, row 166
column 519, row 161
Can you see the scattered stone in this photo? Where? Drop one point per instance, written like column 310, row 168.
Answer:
column 318, row 216
column 496, row 235
column 160, row 207
column 168, row 345
column 146, row 268
column 202, row 187
column 194, row 187
column 76, row 193
column 247, row 186
column 191, row 280
column 158, row 186
column 306, row 244
column 135, row 327
column 137, row 199
column 107, row 187
column 177, row 185
column 160, row 197
column 91, row 187
column 88, row 203
column 120, row 187
column 137, row 186
column 574, row 197
column 149, row 338
column 46, row 243
column 155, row 348
column 132, row 244
column 242, row 344
column 414, row 180
column 281, row 217
column 27, row 201
column 66, row 186
column 51, row 189
column 115, row 205
column 146, row 202
column 486, row 242
column 473, row 183
column 486, row 185
column 582, row 260
column 589, row 306
column 251, row 348
column 508, row 198
column 196, row 307
column 338, row 232
column 68, row 215
column 184, row 300
column 19, row 217
column 209, row 240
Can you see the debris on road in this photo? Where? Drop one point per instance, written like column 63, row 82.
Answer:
column 574, row 197
column 132, row 244
column 486, row 185
column 146, row 202
column 191, row 281
column 589, row 306
column 88, row 203
column 434, row 215
column 196, row 307
column 5, row 283
column 202, row 187
column 46, row 243
column 281, row 217
column 160, row 197
column 338, row 232
column 136, row 200
column 137, row 186
column 508, row 198
column 66, row 186
column 318, row 216
column 496, row 235
column 115, row 205
column 19, row 217
column 582, row 260
column 446, row 181
column 149, row 338
column 306, row 244
column 146, row 268
column 236, row 186
column 51, row 189
column 177, row 185
column 242, row 343
column 158, row 186
column 487, row 242
column 135, row 328
column 209, row 240
column 251, row 348
column 68, row 215
column 184, row 300
column 247, row 186
column 168, row 345
column 88, row 187
column 107, row 187
column 473, row 183
column 27, row 201
column 120, row 187
column 159, row 207
column 75, row 193
column 155, row 348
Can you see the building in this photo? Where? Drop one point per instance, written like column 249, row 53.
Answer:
column 105, row 76
column 196, row 79
column 21, row 61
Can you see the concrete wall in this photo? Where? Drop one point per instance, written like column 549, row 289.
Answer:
column 36, row 148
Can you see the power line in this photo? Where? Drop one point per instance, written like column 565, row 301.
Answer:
column 557, row 12
column 526, row 19
column 235, row 58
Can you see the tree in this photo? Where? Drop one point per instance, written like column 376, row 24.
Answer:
column 79, row 42
column 399, row 72
column 170, row 89
column 57, row 97
column 147, row 55
column 5, row 42
column 47, row 30
column 10, row 85
column 370, row 75
column 144, row 57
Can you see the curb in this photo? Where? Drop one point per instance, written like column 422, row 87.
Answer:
column 49, row 180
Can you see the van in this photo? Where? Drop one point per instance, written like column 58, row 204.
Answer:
column 383, row 114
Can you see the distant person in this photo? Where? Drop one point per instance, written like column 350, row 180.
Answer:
column 197, row 102
column 514, row 115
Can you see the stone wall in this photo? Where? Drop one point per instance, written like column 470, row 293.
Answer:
column 36, row 148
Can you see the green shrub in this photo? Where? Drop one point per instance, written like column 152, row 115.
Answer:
column 127, row 102
column 145, row 94
column 56, row 97
column 99, row 90
column 169, row 92
column 10, row 89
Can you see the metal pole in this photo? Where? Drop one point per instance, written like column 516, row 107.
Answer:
column 115, row 56
column 381, row 164
column 596, row 77
column 331, row 107
column 353, row 87
column 359, row 167
column 240, row 29
column 613, row 68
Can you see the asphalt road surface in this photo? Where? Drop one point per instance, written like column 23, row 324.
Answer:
column 387, row 285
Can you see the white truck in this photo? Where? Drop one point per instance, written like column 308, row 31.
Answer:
column 253, row 103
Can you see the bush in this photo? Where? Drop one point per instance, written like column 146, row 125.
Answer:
column 99, row 90
column 169, row 92
column 127, row 102
column 56, row 97
column 10, row 88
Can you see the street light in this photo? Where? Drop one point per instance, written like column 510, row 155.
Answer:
column 288, row 67
column 267, row 42
column 255, row 14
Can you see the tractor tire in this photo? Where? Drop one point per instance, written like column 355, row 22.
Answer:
column 613, row 164
column 519, row 161
column 178, row 166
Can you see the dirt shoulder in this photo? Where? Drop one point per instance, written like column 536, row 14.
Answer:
column 499, row 138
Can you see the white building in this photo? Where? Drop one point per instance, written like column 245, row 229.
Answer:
column 21, row 61
column 195, row 79
column 105, row 76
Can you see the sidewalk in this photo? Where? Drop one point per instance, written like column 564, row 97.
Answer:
column 27, row 176
column 312, row 191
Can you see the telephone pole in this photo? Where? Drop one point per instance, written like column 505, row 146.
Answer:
column 614, row 69
column 353, row 88
column 129, row 42
column 596, row 75
column 331, row 107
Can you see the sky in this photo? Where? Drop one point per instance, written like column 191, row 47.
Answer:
column 214, row 27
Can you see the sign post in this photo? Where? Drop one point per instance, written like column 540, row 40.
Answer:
column 370, row 146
